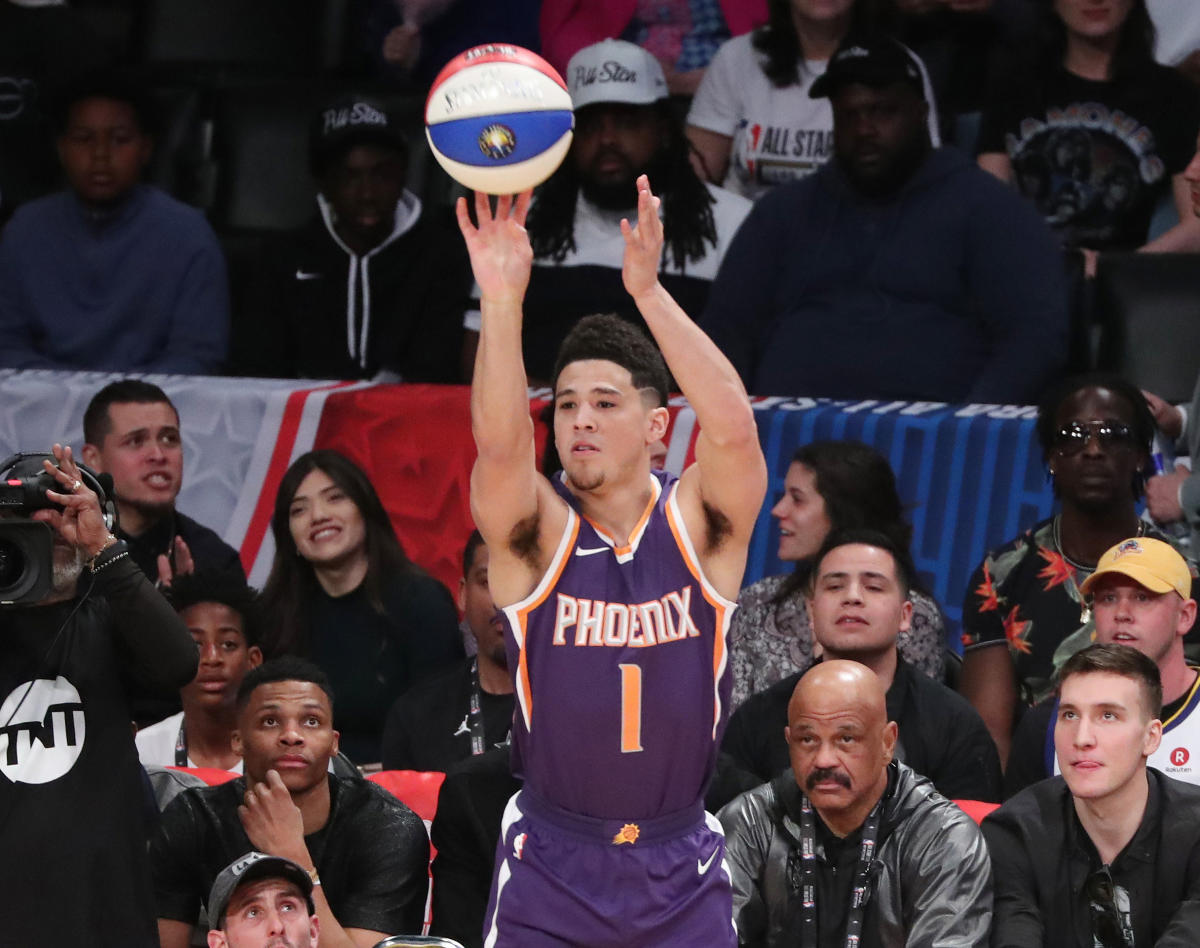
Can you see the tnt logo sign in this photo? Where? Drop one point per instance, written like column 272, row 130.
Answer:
column 42, row 729
column 1180, row 756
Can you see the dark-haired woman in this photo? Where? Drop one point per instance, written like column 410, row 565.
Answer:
column 1088, row 126
column 343, row 592
column 1024, row 614
column 830, row 485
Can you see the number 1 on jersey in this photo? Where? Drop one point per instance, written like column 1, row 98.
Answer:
column 631, row 709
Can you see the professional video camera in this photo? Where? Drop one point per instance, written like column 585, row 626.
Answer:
column 27, row 546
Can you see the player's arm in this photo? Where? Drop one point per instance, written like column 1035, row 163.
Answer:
column 506, row 489
column 730, row 475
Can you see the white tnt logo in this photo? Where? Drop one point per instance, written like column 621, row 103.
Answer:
column 41, row 731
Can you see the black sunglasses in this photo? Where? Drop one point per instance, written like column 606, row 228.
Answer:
column 1106, row 917
column 1072, row 437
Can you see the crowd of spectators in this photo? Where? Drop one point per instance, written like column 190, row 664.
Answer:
column 888, row 199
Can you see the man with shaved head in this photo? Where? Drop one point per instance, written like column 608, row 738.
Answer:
column 892, row 862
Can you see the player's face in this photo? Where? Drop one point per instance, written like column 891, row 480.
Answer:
column 224, row 655
column 1093, row 19
column 480, row 612
column 858, row 607
column 613, row 144
column 803, row 522
column 272, row 913
column 326, row 525
column 287, row 726
column 1103, row 734
column 144, row 454
column 1192, row 175
column 1095, row 474
column 839, row 751
column 103, row 150
column 1127, row 613
column 602, row 425
column 363, row 189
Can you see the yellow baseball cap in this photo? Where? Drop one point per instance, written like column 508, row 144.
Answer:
column 1154, row 564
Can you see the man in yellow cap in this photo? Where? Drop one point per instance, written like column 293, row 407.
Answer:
column 1141, row 596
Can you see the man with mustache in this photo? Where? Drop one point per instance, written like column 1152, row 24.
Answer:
column 366, row 852
column 859, row 605
column 892, row 861
column 468, row 709
column 624, row 127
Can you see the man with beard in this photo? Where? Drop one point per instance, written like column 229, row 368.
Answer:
column 468, row 709
column 849, row 846
column 624, row 127
column 132, row 434
column 898, row 270
column 72, row 812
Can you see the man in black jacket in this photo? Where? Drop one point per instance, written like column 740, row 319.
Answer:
column 859, row 604
column 1108, row 854
column 72, row 812
column 375, row 286
column 893, row 863
column 132, row 434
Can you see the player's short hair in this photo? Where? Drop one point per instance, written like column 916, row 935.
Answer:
column 220, row 586
column 904, row 568
column 96, row 421
column 609, row 337
column 1120, row 660
column 283, row 668
column 474, row 542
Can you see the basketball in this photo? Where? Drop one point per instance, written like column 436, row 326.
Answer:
column 498, row 119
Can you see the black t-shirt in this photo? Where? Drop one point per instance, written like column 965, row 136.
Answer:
column 429, row 727
column 1095, row 157
column 941, row 736
column 372, row 854
column 209, row 551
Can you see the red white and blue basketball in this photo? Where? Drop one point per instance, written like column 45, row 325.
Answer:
column 499, row 119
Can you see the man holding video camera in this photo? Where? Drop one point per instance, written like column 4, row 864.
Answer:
column 72, row 816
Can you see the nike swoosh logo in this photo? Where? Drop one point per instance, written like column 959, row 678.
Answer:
column 305, row 275
column 703, row 867
column 580, row 551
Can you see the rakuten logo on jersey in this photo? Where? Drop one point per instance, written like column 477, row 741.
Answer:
column 41, row 731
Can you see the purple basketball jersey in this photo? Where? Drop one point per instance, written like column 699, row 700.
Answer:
column 620, row 662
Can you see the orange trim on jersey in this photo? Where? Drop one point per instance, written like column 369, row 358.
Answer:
column 638, row 527
column 523, row 675
column 558, row 570
column 523, row 684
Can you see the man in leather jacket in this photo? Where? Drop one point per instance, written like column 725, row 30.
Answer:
column 846, row 797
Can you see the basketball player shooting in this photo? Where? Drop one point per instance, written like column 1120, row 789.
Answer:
column 618, row 586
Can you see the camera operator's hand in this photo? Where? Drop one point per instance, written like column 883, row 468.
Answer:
column 80, row 522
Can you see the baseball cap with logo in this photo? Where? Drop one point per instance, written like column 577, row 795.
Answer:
column 1154, row 564
column 615, row 71
column 872, row 60
column 345, row 123
column 250, row 868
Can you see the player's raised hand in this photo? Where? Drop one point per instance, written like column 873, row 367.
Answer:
column 501, row 256
column 643, row 244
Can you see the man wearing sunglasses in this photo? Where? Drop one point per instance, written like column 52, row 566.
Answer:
column 1108, row 854
column 1141, row 596
column 1095, row 432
